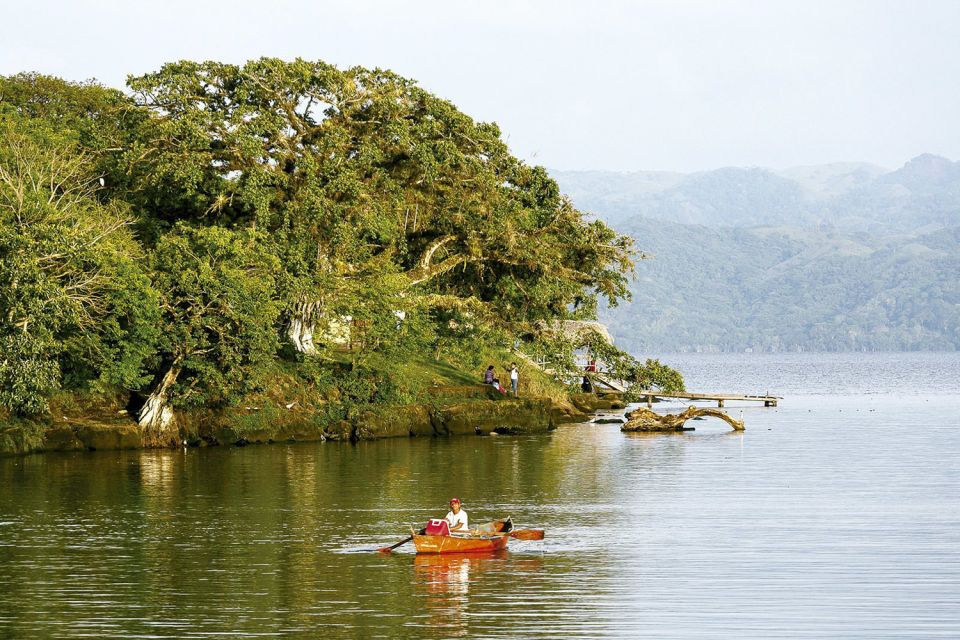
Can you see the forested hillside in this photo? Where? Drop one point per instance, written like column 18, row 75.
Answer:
column 832, row 258
column 783, row 289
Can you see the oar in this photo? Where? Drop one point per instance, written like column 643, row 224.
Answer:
column 525, row 534
column 392, row 547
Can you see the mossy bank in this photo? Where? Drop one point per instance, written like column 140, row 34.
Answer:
column 272, row 424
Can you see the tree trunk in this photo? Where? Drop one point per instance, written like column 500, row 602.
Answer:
column 156, row 420
column 302, row 326
column 301, row 334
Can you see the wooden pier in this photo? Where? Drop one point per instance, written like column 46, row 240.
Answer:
column 603, row 381
column 720, row 398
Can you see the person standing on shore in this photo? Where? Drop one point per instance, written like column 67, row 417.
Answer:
column 514, row 378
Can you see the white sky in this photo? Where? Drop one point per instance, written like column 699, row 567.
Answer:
column 671, row 84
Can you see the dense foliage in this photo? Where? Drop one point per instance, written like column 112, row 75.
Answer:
column 180, row 241
column 75, row 298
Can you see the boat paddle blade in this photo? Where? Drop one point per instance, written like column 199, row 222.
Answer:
column 394, row 546
column 526, row 534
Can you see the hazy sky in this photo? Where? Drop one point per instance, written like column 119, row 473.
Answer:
column 668, row 85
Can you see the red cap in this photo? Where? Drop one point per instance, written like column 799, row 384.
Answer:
column 452, row 500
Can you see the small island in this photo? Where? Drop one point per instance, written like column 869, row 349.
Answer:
column 282, row 251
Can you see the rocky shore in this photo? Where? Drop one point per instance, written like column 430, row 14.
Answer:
column 263, row 425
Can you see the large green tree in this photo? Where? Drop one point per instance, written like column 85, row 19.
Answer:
column 356, row 173
column 73, row 294
column 104, row 123
column 216, row 288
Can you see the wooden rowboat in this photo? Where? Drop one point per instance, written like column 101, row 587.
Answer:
column 459, row 543
column 489, row 537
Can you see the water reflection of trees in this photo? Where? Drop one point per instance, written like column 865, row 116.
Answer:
column 192, row 530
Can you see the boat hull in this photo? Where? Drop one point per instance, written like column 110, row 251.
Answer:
column 460, row 544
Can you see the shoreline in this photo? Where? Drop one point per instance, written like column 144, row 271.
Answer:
column 241, row 426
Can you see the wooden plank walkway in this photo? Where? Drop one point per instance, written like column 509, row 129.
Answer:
column 720, row 398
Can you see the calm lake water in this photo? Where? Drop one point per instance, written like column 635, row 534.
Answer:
column 835, row 515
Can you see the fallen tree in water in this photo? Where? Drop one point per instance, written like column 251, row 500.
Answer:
column 646, row 420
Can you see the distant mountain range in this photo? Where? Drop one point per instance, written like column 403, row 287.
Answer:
column 836, row 257
column 924, row 194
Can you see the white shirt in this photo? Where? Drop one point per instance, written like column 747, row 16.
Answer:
column 452, row 519
column 513, row 373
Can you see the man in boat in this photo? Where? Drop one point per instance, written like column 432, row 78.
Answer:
column 457, row 517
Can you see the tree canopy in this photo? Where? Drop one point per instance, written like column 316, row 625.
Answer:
column 175, row 240
column 356, row 172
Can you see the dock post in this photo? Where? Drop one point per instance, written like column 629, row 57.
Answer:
column 650, row 401
column 720, row 403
